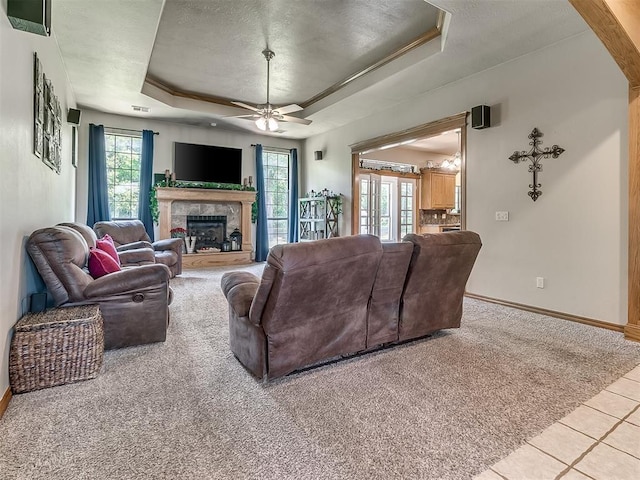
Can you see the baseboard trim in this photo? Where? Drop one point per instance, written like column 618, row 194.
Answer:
column 4, row 403
column 553, row 313
column 632, row 332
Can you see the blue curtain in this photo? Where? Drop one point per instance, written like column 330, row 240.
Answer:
column 98, row 206
column 262, row 234
column 146, row 181
column 293, row 196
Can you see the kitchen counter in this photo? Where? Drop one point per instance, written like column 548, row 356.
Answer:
column 437, row 227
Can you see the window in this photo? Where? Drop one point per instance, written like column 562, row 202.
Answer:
column 389, row 214
column 406, row 207
column 123, row 174
column 364, row 205
column 276, row 185
column 385, row 211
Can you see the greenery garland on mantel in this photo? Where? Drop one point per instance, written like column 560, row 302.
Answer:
column 153, row 198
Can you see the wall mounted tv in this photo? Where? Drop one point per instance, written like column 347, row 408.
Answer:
column 207, row 163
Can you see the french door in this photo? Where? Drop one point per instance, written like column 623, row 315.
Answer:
column 387, row 206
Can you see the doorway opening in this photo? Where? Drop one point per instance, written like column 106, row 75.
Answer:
column 411, row 181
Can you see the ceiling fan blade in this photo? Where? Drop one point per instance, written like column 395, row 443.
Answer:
column 288, row 109
column 254, row 115
column 289, row 118
column 244, row 105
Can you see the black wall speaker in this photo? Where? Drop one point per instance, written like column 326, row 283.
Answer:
column 318, row 154
column 38, row 302
column 32, row 16
column 73, row 116
column 480, row 117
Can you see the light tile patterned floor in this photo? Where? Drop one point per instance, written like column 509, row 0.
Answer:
column 600, row 440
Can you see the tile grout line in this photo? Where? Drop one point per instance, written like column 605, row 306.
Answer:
column 500, row 475
column 598, row 442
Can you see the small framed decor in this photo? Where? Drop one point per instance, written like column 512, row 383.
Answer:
column 47, row 119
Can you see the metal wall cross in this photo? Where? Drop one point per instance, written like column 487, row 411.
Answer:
column 535, row 155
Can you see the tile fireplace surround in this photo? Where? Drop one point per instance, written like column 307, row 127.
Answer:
column 176, row 202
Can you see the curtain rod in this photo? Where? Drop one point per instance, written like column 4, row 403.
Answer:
column 277, row 149
column 128, row 130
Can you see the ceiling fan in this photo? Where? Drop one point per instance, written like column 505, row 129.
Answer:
column 266, row 115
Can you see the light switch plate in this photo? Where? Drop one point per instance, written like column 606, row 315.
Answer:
column 502, row 216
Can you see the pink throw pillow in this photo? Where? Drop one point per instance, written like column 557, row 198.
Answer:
column 106, row 244
column 101, row 263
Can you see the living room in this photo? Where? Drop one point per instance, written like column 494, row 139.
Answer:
column 575, row 235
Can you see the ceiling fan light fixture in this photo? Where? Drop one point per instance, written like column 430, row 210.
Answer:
column 267, row 123
column 261, row 123
column 268, row 116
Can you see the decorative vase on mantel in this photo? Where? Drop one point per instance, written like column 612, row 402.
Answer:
column 190, row 242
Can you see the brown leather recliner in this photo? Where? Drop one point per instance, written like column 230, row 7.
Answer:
column 310, row 305
column 131, row 234
column 340, row 296
column 134, row 302
column 133, row 257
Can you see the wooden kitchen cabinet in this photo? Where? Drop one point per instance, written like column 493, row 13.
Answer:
column 438, row 190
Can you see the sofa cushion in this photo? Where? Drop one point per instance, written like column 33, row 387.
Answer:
column 106, row 245
column 313, row 298
column 101, row 263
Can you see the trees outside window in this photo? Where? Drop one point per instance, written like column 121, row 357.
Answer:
column 276, row 182
column 123, row 174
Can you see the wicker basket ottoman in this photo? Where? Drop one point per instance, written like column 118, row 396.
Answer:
column 54, row 347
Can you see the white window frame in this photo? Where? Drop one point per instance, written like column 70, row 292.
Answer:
column 279, row 237
column 112, row 171
column 370, row 218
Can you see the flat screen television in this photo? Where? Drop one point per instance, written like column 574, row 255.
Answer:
column 207, row 163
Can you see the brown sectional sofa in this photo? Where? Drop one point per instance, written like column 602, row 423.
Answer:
column 341, row 296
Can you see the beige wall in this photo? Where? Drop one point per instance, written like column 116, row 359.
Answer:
column 575, row 235
column 31, row 194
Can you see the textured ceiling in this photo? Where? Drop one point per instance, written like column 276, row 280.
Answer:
column 214, row 48
column 211, row 47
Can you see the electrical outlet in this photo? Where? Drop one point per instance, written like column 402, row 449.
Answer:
column 502, row 216
column 540, row 282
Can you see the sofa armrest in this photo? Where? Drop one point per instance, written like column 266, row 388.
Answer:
column 127, row 280
column 137, row 256
column 174, row 244
column 133, row 245
column 233, row 279
column 240, row 298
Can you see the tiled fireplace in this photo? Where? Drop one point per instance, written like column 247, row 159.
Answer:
column 210, row 214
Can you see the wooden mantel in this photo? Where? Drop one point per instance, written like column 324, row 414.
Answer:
column 166, row 196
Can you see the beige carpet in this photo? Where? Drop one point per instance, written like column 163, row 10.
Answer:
column 446, row 407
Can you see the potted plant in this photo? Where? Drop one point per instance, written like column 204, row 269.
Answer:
column 178, row 232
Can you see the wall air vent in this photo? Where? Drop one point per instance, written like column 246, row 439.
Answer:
column 137, row 108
